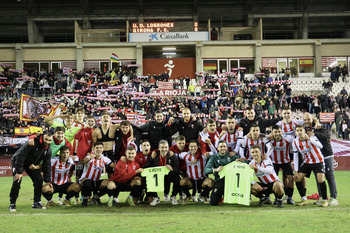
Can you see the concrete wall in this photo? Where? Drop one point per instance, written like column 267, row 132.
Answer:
column 105, row 53
column 48, row 54
column 306, row 50
column 7, row 54
column 228, row 51
column 336, row 50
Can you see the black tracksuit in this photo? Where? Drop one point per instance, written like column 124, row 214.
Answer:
column 246, row 124
column 21, row 161
column 190, row 130
column 155, row 132
column 172, row 177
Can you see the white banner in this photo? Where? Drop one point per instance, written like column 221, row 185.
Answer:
column 168, row 36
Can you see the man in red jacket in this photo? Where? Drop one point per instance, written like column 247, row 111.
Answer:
column 124, row 178
column 84, row 137
column 142, row 156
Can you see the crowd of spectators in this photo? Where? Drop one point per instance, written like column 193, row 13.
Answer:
column 208, row 96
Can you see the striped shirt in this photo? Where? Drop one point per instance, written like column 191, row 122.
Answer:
column 246, row 145
column 94, row 168
column 60, row 171
column 195, row 171
column 265, row 172
column 232, row 140
column 310, row 150
column 278, row 151
column 289, row 129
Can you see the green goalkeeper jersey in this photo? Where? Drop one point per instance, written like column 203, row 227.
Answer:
column 238, row 177
column 155, row 178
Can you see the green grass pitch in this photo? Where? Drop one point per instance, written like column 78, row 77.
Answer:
column 190, row 217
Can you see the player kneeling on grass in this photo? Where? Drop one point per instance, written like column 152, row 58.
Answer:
column 163, row 158
column 268, row 180
column 195, row 179
column 90, row 179
column 125, row 178
column 215, row 164
column 62, row 168
column 310, row 148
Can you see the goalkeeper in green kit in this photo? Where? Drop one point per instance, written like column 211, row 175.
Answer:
column 214, row 166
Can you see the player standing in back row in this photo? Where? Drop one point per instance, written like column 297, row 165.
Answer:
column 310, row 148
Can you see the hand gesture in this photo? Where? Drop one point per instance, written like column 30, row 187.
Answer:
column 169, row 167
column 139, row 170
column 17, row 178
column 252, row 166
column 219, row 169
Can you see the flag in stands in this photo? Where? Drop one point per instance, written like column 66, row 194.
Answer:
column 31, row 109
column 165, row 85
column 327, row 117
column 23, row 131
column 114, row 58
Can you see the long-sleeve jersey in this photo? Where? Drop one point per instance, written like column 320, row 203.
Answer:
column 123, row 172
column 233, row 141
column 289, row 128
column 84, row 138
column 246, row 145
column 278, row 151
column 194, row 171
column 310, row 150
column 94, row 168
column 60, row 171
column 265, row 171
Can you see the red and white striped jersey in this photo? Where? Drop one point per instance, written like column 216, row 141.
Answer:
column 289, row 129
column 309, row 149
column 195, row 171
column 94, row 168
column 247, row 143
column 232, row 140
column 278, row 151
column 265, row 171
column 60, row 171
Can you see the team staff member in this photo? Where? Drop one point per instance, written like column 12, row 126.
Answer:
column 214, row 166
column 156, row 130
column 186, row 126
column 247, row 122
column 25, row 159
column 162, row 157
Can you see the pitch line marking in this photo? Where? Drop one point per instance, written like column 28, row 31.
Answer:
column 170, row 213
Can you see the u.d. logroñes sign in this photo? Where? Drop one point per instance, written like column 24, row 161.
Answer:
column 171, row 92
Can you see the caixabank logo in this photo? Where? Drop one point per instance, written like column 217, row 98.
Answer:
column 153, row 37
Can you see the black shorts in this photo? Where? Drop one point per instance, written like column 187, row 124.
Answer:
column 183, row 173
column 269, row 187
column 197, row 183
column 123, row 186
column 286, row 168
column 306, row 168
column 109, row 154
column 61, row 188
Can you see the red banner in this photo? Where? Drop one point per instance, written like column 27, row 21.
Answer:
column 171, row 92
column 327, row 117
